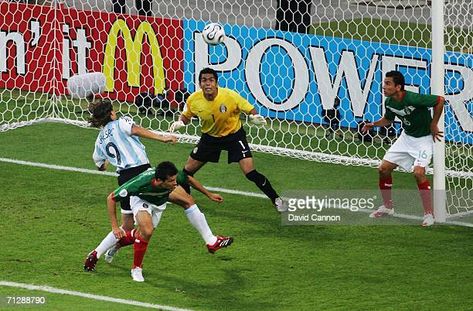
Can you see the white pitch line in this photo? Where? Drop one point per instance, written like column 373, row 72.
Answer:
column 57, row 167
column 89, row 296
column 97, row 172
column 218, row 189
column 243, row 193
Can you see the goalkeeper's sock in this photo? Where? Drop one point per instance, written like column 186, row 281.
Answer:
column 197, row 219
column 385, row 186
column 425, row 194
column 263, row 184
column 106, row 243
column 139, row 249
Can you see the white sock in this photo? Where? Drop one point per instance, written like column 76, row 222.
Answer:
column 106, row 243
column 197, row 219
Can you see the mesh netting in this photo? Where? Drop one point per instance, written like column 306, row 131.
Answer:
column 315, row 70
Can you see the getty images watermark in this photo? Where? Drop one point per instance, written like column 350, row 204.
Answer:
column 327, row 207
column 352, row 207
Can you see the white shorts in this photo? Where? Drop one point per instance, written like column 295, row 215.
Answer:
column 410, row 151
column 137, row 204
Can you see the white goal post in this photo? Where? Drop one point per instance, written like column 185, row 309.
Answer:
column 438, row 87
column 314, row 70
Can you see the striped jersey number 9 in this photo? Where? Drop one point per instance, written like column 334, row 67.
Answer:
column 112, row 152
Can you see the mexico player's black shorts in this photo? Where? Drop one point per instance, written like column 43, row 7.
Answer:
column 124, row 176
column 209, row 148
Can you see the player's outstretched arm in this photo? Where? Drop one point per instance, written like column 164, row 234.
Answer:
column 381, row 122
column 199, row 187
column 111, row 207
column 145, row 133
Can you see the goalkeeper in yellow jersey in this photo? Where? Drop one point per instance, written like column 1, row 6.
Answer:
column 218, row 110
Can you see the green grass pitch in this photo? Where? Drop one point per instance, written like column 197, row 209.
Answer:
column 50, row 219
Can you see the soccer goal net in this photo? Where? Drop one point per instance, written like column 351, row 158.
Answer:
column 314, row 70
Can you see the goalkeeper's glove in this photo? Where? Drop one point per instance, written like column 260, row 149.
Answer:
column 176, row 125
column 257, row 119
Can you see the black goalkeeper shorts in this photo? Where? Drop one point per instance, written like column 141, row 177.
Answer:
column 209, row 148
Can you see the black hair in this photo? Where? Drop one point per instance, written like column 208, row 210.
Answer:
column 164, row 170
column 208, row 71
column 101, row 110
column 397, row 77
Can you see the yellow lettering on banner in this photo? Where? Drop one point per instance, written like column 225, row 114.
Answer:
column 133, row 49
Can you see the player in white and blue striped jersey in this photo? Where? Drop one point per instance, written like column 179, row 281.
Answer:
column 118, row 144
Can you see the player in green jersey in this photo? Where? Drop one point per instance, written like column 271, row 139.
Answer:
column 148, row 194
column 414, row 148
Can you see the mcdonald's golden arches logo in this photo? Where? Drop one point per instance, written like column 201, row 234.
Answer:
column 133, row 47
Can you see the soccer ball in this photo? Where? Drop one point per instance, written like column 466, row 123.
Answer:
column 213, row 33
column 86, row 85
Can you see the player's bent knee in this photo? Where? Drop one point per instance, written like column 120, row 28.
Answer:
column 184, row 200
column 192, row 166
column 382, row 170
column 385, row 169
column 146, row 232
column 188, row 202
column 419, row 173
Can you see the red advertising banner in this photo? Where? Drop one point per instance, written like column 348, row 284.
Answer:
column 27, row 53
column 41, row 47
